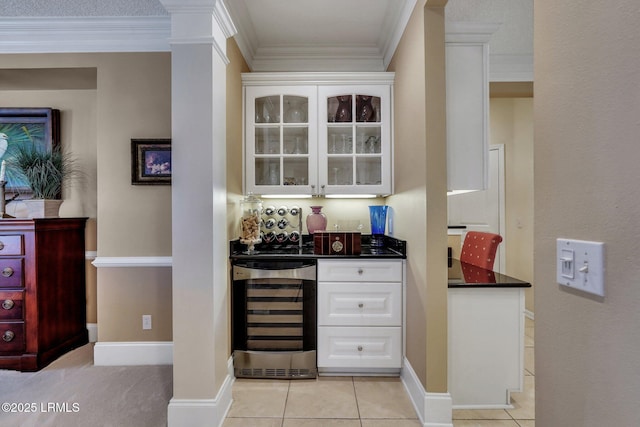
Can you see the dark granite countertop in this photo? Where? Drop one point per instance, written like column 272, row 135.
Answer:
column 463, row 275
column 393, row 249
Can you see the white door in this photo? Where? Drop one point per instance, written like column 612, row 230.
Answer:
column 484, row 210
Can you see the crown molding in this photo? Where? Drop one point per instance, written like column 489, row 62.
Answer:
column 84, row 34
column 469, row 32
column 394, row 40
column 318, row 57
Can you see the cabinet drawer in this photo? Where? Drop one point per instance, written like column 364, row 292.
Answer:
column 353, row 347
column 359, row 271
column 11, row 272
column 11, row 337
column 11, row 305
column 360, row 304
column 11, row 245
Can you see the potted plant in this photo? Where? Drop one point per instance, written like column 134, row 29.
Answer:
column 46, row 171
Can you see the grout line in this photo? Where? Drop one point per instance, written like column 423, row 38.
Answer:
column 286, row 401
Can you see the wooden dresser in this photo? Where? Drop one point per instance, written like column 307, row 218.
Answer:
column 42, row 290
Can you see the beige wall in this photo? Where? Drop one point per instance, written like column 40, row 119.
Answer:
column 420, row 199
column 586, row 151
column 512, row 126
column 133, row 102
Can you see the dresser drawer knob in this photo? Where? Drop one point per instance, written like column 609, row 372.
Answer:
column 360, row 305
column 8, row 336
column 7, row 272
column 1, row 245
column 360, row 271
column 8, row 304
column 360, row 348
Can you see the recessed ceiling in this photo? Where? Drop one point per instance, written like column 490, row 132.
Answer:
column 326, row 35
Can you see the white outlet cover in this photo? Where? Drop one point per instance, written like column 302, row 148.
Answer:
column 580, row 265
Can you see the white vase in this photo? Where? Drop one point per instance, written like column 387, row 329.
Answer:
column 43, row 208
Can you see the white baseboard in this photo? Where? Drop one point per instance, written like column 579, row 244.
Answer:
column 433, row 409
column 202, row 412
column 93, row 331
column 133, row 353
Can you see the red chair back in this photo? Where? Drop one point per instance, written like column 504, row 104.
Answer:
column 480, row 249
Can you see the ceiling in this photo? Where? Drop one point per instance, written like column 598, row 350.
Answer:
column 273, row 35
column 336, row 35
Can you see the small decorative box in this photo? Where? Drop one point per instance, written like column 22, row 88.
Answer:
column 336, row 243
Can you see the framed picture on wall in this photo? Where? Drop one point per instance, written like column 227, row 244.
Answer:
column 151, row 161
column 39, row 127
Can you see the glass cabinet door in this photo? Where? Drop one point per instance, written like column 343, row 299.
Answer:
column 355, row 140
column 280, row 136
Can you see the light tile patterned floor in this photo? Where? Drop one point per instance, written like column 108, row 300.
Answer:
column 323, row 402
column 361, row 402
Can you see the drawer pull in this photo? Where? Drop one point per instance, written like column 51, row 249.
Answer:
column 360, row 348
column 8, row 304
column 7, row 272
column 360, row 271
column 8, row 336
column 360, row 305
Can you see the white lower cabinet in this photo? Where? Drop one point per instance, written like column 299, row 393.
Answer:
column 353, row 347
column 360, row 316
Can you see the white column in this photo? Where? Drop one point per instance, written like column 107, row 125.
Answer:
column 201, row 382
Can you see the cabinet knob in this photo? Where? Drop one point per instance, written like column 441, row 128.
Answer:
column 7, row 272
column 360, row 348
column 360, row 305
column 8, row 336
column 360, row 271
column 1, row 245
column 8, row 304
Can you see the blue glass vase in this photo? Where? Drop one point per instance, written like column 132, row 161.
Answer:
column 378, row 216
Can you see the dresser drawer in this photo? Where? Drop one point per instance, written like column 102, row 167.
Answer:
column 11, row 305
column 359, row 271
column 360, row 304
column 11, row 337
column 354, row 347
column 11, row 272
column 11, row 245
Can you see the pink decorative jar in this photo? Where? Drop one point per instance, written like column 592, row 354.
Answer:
column 316, row 220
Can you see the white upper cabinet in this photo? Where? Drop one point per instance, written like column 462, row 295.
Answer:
column 280, row 139
column 319, row 134
column 467, row 74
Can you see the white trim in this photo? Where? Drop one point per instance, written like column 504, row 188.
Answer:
column 394, row 40
column 502, row 210
column 84, row 34
column 92, row 328
column 317, row 78
column 510, row 68
column 90, row 254
column 433, row 409
column 469, row 32
column 529, row 314
column 133, row 353
column 140, row 261
column 202, row 412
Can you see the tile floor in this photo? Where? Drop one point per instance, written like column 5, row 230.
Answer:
column 361, row 402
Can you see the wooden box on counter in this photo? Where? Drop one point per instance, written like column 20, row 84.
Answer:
column 42, row 290
column 336, row 243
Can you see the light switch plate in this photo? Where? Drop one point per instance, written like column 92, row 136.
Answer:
column 580, row 265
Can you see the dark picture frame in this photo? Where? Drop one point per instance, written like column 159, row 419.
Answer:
column 22, row 126
column 151, row 161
